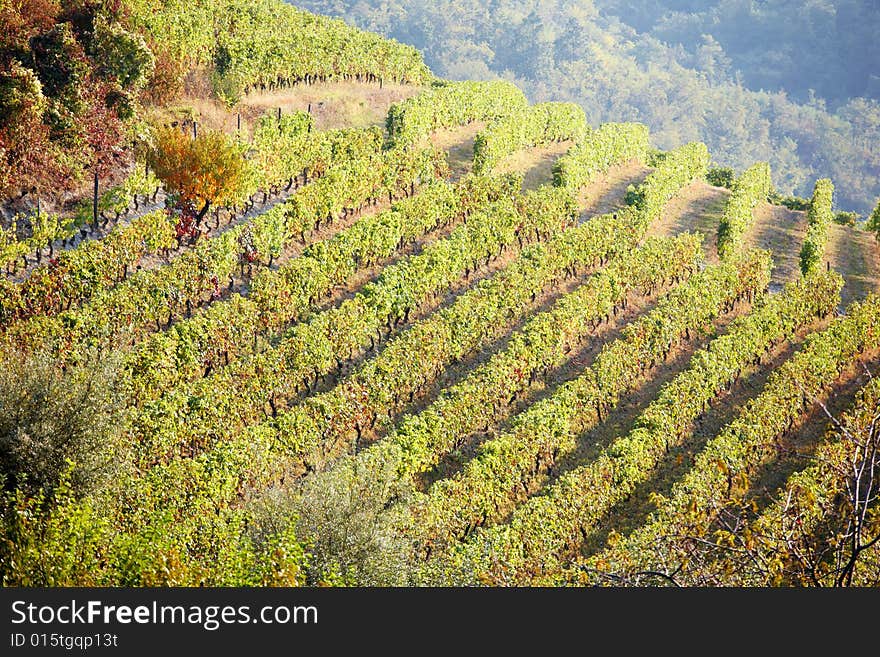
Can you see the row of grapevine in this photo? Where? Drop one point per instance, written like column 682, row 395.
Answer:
column 450, row 104
column 96, row 265
column 819, row 220
column 229, row 329
column 751, row 188
column 536, row 125
column 609, row 144
column 268, row 51
column 322, row 424
column 545, row 526
column 237, row 396
column 486, row 396
column 722, row 470
column 46, row 229
column 830, row 493
column 673, row 171
column 282, row 150
column 77, row 274
column 154, row 298
column 267, row 44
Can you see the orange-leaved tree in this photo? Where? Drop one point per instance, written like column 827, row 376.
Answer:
column 204, row 172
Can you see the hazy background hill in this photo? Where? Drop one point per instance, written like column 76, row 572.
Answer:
column 792, row 82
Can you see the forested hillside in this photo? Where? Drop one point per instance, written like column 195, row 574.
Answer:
column 736, row 75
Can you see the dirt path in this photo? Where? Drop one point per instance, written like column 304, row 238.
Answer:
column 782, row 232
column 856, row 255
column 608, row 193
column 536, row 164
column 459, row 145
column 698, row 209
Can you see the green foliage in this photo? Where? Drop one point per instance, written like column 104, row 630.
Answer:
column 322, row 427
column 810, row 511
column 122, row 55
column 609, row 144
column 154, row 297
column 352, row 538
column 721, row 177
column 537, row 125
column 448, row 104
column 847, row 218
column 51, row 540
column 489, row 392
column 228, row 397
column 748, row 190
column 791, row 202
column 819, row 219
column 57, row 426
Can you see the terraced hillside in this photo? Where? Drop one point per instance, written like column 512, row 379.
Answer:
column 481, row 342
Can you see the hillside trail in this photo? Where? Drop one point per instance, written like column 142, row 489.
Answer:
column 608, row 193
column 535, row 164
column 458, row 143
column 697, row 209
column 855, row 254
column 781, row 231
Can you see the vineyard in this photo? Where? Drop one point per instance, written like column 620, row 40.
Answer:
column 426, row 352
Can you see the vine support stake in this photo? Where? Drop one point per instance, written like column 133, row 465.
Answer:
column 95, row 202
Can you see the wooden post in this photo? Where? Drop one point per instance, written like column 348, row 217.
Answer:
column 195, row 129
column 95, row 203
column 279, row 115
column 239, row 121
column 309, row 110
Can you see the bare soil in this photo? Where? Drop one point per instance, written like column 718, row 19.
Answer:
column 781, row 231
column 698, row 209
column 855, row 254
